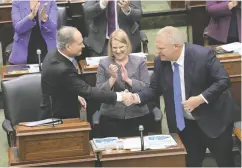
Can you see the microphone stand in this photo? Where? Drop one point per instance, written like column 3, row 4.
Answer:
column 39, row 59
column 141, row 128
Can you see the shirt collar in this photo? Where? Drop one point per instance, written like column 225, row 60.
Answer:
column 180, row 60
column 69, row 58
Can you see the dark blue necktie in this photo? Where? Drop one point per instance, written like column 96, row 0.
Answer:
column 111, row 17
column 178, row 98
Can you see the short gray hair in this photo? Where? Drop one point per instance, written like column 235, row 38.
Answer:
column 172, row 34
column 65, row 35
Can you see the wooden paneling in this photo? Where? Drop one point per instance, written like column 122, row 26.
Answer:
column 81, row 161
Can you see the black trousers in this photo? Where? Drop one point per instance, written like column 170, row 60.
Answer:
column 122, row 127
column 196, row 142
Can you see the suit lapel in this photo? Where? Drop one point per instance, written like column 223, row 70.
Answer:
column 188, row 70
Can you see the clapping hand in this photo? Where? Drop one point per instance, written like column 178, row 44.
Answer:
column 43, row 14
column 125, row 76
column 124, row 5
column 233, row 4
column 34, row 8
column 113, row 69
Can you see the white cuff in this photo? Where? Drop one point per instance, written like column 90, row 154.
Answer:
column 203, row 98
column 119, row 97
column 138, row 98
column 101, row 4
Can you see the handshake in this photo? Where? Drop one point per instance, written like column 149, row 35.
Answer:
column 129, row 98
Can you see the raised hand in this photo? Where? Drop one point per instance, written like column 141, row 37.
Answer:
column 125, row 76
column 124, row 5
column 34, row 8
column 43, row 14
column 113, row 69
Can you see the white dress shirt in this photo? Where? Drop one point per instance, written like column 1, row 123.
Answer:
column 69, row 58
column 180, row 62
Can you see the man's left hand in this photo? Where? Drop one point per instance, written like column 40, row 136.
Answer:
column 82, row 101
column 192, row 103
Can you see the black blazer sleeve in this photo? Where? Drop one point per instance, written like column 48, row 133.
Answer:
column 76, row 85
column 218, row 76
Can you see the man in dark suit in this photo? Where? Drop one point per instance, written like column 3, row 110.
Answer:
column 195, row 88
column 61, row 83
column 105, row 16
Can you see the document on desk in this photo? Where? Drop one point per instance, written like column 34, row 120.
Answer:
column 150, row 142
column 41, row 122
column 160, row 141
column 94, row 60
column 235, row 47
column 134, row 144
column 33, row 68
column 140, row 54
column 105, row 143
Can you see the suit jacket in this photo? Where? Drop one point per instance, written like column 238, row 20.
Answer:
column 98, row 24
column 138, row 73
column 204, row 74
column 23, row 26
column 62, row 83
column 219, row 24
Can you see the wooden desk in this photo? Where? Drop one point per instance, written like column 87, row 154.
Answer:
column 84, row 161
column 65, row 144
column 17, row 73
column 8, row 76
column 232, row 63
column 93, row 68
column 170, row 157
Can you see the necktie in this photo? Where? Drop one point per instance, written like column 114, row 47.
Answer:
column 74, row 62
column 178, row 98
column 111, row 17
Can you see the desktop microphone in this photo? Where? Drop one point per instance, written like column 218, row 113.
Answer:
column 39, row 58
column 141, row 129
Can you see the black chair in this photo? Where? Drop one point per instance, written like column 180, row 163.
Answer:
column 62, row 17
column 21, row 101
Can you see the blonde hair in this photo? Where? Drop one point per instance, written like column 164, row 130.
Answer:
column 120, row 36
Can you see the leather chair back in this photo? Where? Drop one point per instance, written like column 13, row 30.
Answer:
column 62, row 17
column 21, row 98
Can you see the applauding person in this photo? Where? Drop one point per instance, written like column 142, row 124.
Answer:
column 35, row 25
column 122, row 72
